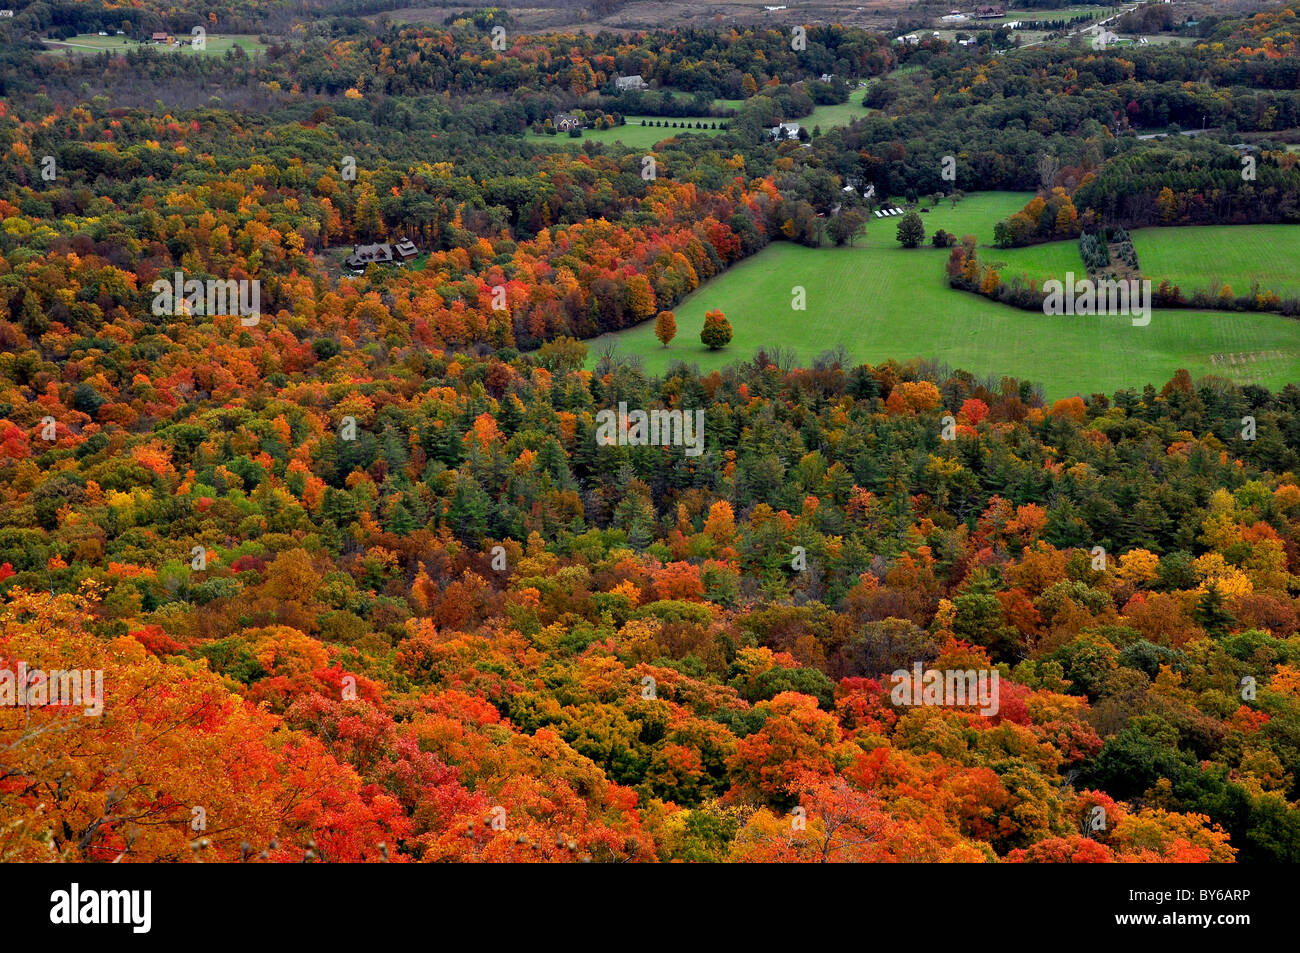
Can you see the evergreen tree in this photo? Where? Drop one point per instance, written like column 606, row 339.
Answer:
column 1211, row 614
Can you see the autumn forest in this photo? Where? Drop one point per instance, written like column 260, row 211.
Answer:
column 368, row 575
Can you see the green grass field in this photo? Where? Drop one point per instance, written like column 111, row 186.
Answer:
column 838, row 115
column 974, row 215
column 1053, row 13
column 633, row 135
column 94, row 43
column 1038, row 262
column 1212, row 256
column 880, row 301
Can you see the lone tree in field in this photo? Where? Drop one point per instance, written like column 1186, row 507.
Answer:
column 666, row 327
column 911, row 230
column 844, row 227
column 716, row 332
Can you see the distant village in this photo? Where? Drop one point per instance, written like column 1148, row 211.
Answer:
column 1097, row 35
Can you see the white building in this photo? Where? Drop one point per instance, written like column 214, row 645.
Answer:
column 1104, row 40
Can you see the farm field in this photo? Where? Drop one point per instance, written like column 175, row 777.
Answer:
column 634, row 135
column 1210, row 257
column 881, row 301
column 840, row 114
column 976, row 215
column 94, row 43
column 563, row 16
column 1053, row 13
column 1037, row 262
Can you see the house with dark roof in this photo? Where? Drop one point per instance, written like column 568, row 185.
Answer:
column 383, row 253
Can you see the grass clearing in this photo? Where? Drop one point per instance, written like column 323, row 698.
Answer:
column 880, row 301
column 841, row 114
column 1211, row 256
column 1038, row 262
column 94, row 43
column 633, row 134
column 976, row 215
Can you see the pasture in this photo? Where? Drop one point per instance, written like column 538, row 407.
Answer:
column 841, row 114
column 880, row 301
column 1036, row 262
column 633, row 134
column 1212, row 256
column 94, row 43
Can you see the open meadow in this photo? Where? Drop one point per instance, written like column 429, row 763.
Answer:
column 636, row 136
column 1207, row 258
column 94, row 43
column 632, row 134
column 878, row 301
